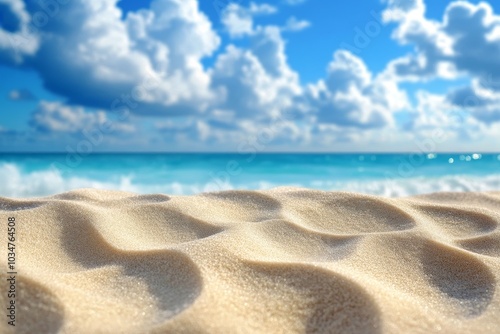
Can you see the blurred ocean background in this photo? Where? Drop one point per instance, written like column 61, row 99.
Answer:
column 393, row 175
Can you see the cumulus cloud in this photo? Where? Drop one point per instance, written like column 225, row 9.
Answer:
column 467, row 39
column 256, row 82
column 351, row 96
column 432, row 44
column 262, row 9
column 465, row 42
column 239, row 20
column 436, row 118
column 19, row 38
column 294, row 24
column 482, row 102
column 246, row 136
column 259, row 90
column 87, row 53
column 150, row 62
column 55, row 117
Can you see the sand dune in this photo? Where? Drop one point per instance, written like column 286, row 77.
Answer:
column 280, row 261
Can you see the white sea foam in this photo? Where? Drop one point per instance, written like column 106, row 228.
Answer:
column 16, row 183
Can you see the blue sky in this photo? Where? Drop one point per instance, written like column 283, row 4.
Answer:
column 172, row 75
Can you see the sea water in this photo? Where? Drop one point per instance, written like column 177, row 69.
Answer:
column 27, row 175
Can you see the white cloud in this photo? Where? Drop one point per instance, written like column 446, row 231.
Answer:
column 55, row 117
column 262, row 9
column 257, row 82
column 433, row 45
column 351, row 97
column 465, row 42
column 467, row 39
column 151, row 63
column 293, row 24
column 247, row 135
column 87, row 53
column 239, row 20
column 438, row 123
column 18, row 34
column 479, row 99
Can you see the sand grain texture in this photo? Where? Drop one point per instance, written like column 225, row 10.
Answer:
column 280, row 261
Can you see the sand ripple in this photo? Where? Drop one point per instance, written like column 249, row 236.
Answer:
column 279, row 261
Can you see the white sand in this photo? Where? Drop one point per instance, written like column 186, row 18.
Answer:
column 280, row 261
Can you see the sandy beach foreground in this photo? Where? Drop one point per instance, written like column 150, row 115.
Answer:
column 279, row 261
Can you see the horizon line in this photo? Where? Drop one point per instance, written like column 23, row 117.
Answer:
column 257, row 153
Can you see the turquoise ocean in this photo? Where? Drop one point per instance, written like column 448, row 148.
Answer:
column 392, row 175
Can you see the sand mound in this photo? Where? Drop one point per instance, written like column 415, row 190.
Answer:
column 279, row 261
